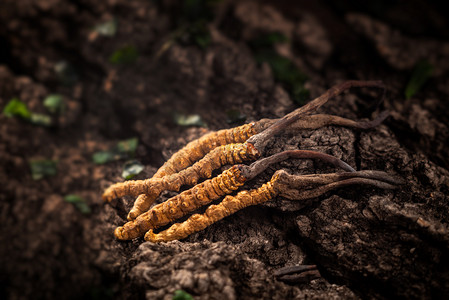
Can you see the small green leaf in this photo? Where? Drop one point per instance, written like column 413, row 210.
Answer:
column 235, row 116
column 422, row 72
column 42, row 167
column 131, row 169
column 123, row 149
column 40, row 119
column 16, row 108
column 128, row 146
column 124, row 55
column 66, row 73
column 83, row 207
column 108, row 28
column 54, row 103
column 181, row 295
column 189, row 120
column 79, row 203
column 102, row 157
column 71, row 198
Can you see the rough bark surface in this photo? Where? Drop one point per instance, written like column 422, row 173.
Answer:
column 366, row 242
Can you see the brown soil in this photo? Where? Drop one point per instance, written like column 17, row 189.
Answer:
column 366, row 242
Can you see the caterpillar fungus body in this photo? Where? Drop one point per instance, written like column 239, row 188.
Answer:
column 292, row 187
column 214, row 213
column 224, row 155
column 198, row 148
column 183, row 203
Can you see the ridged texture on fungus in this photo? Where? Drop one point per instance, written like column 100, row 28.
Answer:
column 185, row 202
column 214, row 213
column 230, row 154
column 198, row 148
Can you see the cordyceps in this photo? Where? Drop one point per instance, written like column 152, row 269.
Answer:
column 232, row 146
column 293, row 187
column 210, row 190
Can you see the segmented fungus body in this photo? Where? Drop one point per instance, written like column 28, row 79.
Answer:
column 193, row 152
column 214, row 213
column 282, row 184
column 210, row 190
column 198, row 148
column 215, row 139
column 224, row 155
column 201, row 157
column 185, row 202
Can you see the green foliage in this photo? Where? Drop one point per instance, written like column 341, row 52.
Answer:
column 78, row 202
column 16, row 108
column 108, row 28
column 125, row 55
column 42, row 167
column 54, row 103
column 128, row 146
column 40, row 119
column 102, row 157
column 181, row 295
column 189, row 120
column 422, row 72
column 124, row 149
column 131, row 169
column 235, row 116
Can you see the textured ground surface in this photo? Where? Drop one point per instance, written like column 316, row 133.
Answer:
column 366, row 242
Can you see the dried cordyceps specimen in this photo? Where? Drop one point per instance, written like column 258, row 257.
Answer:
column 210, row 190
column 179, row 205
column 259, row 134
column 224, row 155
column 282, row 184
column 230, row 147
column 144, row 201
column 212, row 140
column 198, row 148
column 191, row 153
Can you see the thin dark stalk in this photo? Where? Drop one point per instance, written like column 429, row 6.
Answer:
column 261, row 165
column 260, row 139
